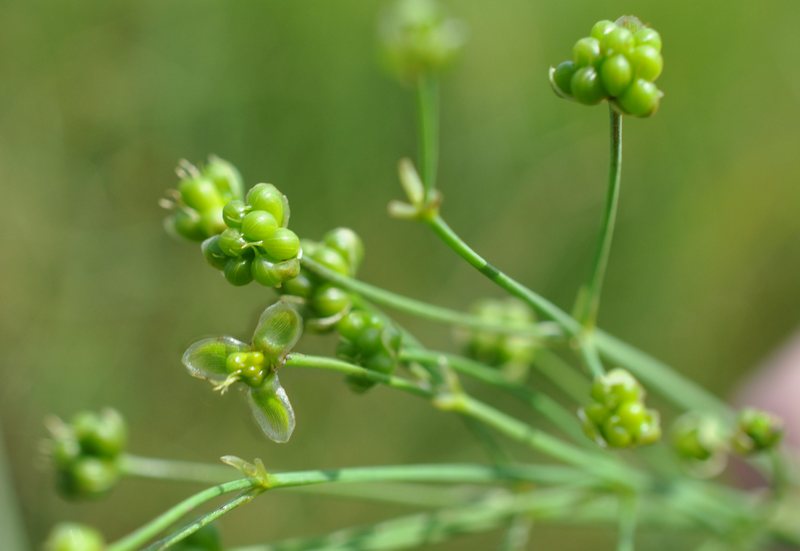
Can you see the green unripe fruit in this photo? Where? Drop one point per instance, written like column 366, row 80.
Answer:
column 234, row 212
column 757, row 431
column 631, row 416
column 602, row 28
column 265, row 272
column 562, row 77
column 268, row 198
column 382, row 363
column 647, row 62
column 225, row 177
column 69, row 536
column 586, row 52
column 369, row 341
column 648, row 37
column 283, row 244
column 299, row 286
column 253, row 375
column 616, row 74
column 353, row 324
column 248, row 365
column 330, row 301
column 649, row 431
column 186, row 223
column 617, row 41
column 213, row 253
column 331, row 259
column 640, row 99
column 65, row 451
column 232, row 243
column 347, row 243
column 92, row 476
column 586, row 86
column 103, row 435
column 211, row 222
column 237, row 271
column 258, row 225
column 616, row 387
column 199, row 194
column 392, row 339
column 616, row 435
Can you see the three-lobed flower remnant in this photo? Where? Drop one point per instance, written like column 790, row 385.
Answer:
column 225, row 361
column 619, row 62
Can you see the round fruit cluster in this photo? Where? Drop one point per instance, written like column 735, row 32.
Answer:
column 514, row 351
column 71, row 536
column 341, row 251
column 197, row 203
column 617, row 61
column 617, row 417
column 369, row 341
column 418, row 37
column 756, row 431
column 86, row 451
column 256, row 244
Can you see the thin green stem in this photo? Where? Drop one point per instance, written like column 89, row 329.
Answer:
column 605, row 467
column 428, row 128
column 429, row 528
column 513, row 287
column 589, row 298
column 136, row 539
column 320, row 362
column 660, row 377
column 194, row 526
column 175, row 470
column 428, row 311
column 552, row 410
column 503, row 423
column 627, row 523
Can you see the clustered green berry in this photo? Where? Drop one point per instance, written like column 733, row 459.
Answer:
column 70, row 536
column 86, row 453
column 369, row 341
column 618, row 62
column 617, row 416
column 696, row 438
column 202, row 193
column 341, row 251
column 255, row 243
column 513, row 352
column 756, row 431
column 419, row 38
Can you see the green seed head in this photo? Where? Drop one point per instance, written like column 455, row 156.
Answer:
column 616, row 74
column 232, row 243
column 330, row 301
column 331, row 259
column 757, row 431
column 640, row 99
column 268, row 198
column 647, row 62
column 225, row 177
column 347, row 243
column 586, row 52
column 648, row 37
column 419, row 38
column 283, row 244
column 213, row 253
column 186, row 223
column 601, row 28
column 200, row 194
column 89, row 477
column 234, row 212
column 237, row 271
column 258, row 225
column 587, row 87
column 102, row 435
column 69, row 536
column 562, row 78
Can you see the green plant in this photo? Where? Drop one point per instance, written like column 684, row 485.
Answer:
column 246, row 236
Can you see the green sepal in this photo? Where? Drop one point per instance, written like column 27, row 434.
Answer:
column 279, row 328
column 206, row 359
column 272, row 410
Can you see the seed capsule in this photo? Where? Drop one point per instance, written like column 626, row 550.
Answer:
column 237, row 271
column 586, row 86
column 234, row 212
column 283, row 244
column 640, row 99
column 616, row 74
column 268, row 198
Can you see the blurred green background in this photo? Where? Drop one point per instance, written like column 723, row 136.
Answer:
column 98, row 100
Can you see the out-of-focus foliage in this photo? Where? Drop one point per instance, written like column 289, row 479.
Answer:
column 99, row 99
